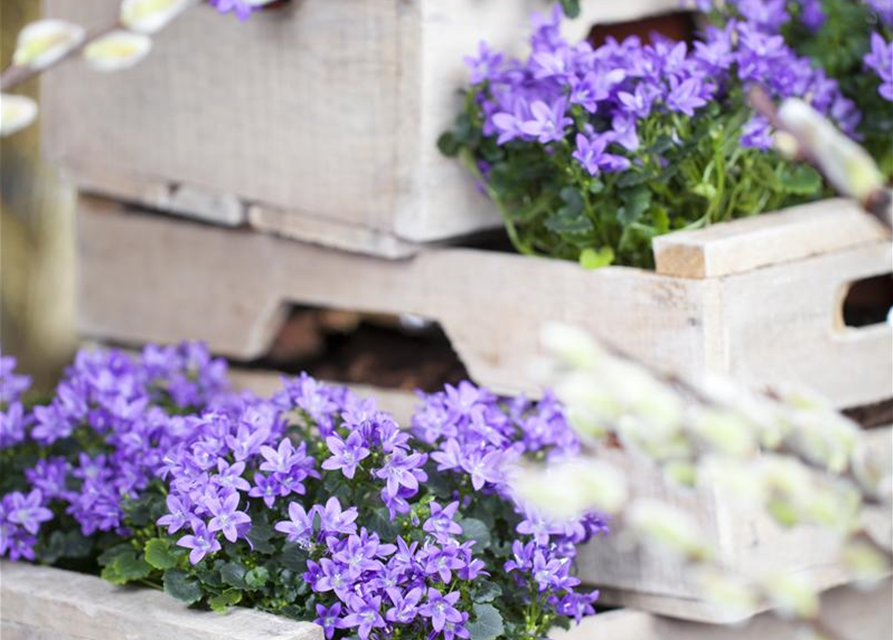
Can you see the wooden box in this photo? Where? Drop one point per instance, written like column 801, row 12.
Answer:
column 42, row 603
column 317, row 119
column 759, row 299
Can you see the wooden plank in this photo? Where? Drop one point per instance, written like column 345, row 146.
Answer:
column 851, row 612
column 151, row 278
column 88, row 608
column 782, row 325
column 326, row 110
column 749, row 243
column 16, row 631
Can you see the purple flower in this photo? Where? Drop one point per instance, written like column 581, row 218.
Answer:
column 201, row 543
column 299, row 526
column 12, row 385
column 685, row 96
column 406, row 605
column 484, row 468
column 346, row 454
column 242, row 8
column 441, row 524
column 178, row 516
column 880, row 59
column 27, row 511
column 329, row 619
column 227, row 518
column 548, row 123
column 268, row 488
column 591, row 154
column 757, row 133
column 483, row 66
column 333, row 520
column 403, row 470
column 365, row 614
column 594, row 88
column 440, row 608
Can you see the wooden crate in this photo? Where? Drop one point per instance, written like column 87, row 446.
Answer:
column 42, row 603
column 759, row 298
column 317, row 120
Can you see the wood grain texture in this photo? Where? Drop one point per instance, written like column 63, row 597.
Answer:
column 62, row 604
column 750, row 243
column 323, row 109
column 147, row 277
column 152, row 278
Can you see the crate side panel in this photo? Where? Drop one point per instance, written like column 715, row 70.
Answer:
column 89, row 608
column 297, row 106
column 782, row 326
column 148, row 277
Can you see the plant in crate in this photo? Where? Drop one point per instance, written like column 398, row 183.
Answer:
column 311, row 504
column 590, row 152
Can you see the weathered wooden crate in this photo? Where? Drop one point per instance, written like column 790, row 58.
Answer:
column 317, row 119
column 759, row 298
column 41, row 603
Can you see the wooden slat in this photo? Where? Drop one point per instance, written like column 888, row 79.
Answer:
column 152, row 278
column 61, row 603
column 749, row 243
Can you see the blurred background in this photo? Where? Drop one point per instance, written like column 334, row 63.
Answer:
column 37, row 272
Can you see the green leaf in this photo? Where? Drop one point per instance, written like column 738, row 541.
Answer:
column 178, row 585
column 487, row 623
column 257, row 577
column 259, row 536
column 596, row 259
column 571, row 8
column 223, row 601
column 802, row 180
column 567, row 221
column 159, row 555
column 126, row 567
column 68, row 544
column 487, row 591
column 705, row 190
column 635, row 204
column 474, row 529
column 448, row 145
column 233, row 574
column 109, row 555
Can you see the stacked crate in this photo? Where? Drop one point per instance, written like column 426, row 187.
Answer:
column 318, row 121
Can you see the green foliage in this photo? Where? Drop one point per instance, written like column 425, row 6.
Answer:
column 687, row 173
column 487, row 623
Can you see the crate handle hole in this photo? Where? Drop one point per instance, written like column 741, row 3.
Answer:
column 868, row 302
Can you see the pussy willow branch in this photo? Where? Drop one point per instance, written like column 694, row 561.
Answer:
column 14, row 74
column 879, row 203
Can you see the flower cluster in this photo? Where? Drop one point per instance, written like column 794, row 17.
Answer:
column 844, row 38
column 312, row 503
column 242, row 9
column 591, row 151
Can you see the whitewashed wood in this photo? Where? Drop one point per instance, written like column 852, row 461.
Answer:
column 749, row 243
column 852, row 613
column 325, row 109
column 88, row 608
column 145, row 277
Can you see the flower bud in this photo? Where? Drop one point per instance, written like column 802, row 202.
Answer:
column 668, row 528
column 573, row 346
column 150, row 16
column 792, row 594
column 731, row 595
column 724, row 431
column 848, row 167
column 117, row 50
column 569, row 488
column 868, row 564
column 16, row 113
column 44, row 42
